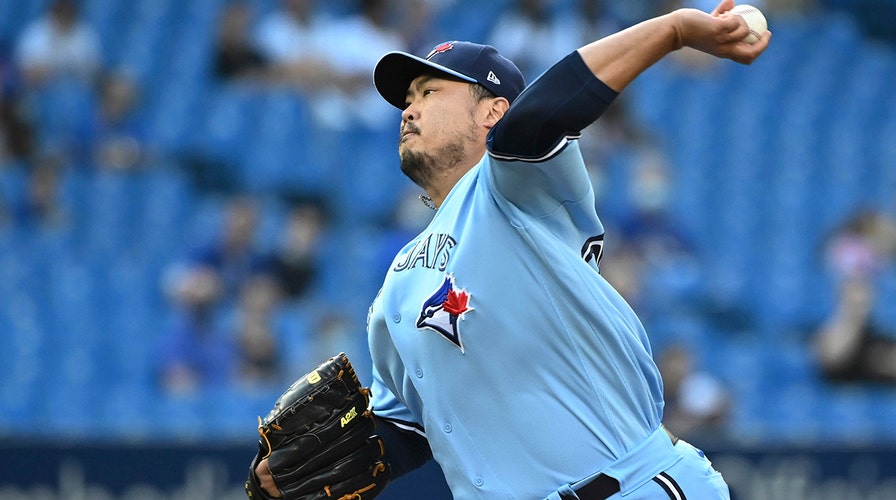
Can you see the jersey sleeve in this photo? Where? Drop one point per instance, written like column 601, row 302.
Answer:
column 405, row 442
column 531, row 163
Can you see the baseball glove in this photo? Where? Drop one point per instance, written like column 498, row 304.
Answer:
column 319, row 439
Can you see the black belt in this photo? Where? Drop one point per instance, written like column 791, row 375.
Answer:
column 601, row 488
column 604, row 486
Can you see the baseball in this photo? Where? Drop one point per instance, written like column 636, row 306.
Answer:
column 755, row 21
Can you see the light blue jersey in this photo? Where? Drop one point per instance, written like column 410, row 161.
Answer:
column 495, row 335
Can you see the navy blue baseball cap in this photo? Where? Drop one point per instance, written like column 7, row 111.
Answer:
column 466, row 61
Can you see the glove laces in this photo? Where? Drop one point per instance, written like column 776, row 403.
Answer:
column 355, row 495
column 264, row 435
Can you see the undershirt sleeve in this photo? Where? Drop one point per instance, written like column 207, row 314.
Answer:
column 556, row 107
column 405, row 450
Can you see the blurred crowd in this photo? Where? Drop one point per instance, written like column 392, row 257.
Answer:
column 227, row 292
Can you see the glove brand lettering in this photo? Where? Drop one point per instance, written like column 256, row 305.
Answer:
column 431, row 252
column 349, row 416
column 313, row 377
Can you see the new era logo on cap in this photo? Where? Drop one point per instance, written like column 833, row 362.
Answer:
column 467, row 61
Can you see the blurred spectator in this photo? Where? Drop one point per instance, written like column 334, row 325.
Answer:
column 194, row 353
column 233, row 251
column 355, row 44
column 16, row 139
column 59, row 58
column 849, row 345
column 653, row 261
column 292, row 38
column 297, row 258
column 235, row 55
column 59, row 44
column 331, row 58
column 697, row 403
column 259, row 349
column 16, row 134
column 650, row 224
column 533, row 36
column 114, row 135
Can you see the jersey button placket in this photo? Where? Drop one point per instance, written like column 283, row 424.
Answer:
column 478, row 481
column 419, row 372
column 447, row 427
column 396, row 318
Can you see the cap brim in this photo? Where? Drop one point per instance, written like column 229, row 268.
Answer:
column 395, row 71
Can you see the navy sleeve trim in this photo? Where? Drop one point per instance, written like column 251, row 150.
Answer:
column 553, row 110
column 560, row 146
column 404, row 425
column 406, row 446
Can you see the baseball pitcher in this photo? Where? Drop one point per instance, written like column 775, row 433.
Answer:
column 498, row 349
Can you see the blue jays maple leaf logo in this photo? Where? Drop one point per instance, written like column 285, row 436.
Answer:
column 442, row 310
column 445, row 47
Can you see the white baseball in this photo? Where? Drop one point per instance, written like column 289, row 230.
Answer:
column 755, row 21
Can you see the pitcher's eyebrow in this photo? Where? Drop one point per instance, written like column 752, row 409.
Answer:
column 419, row 82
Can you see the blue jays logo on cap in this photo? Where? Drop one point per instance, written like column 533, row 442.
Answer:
column 466, row 61
column 441, row 311
column 445, row 47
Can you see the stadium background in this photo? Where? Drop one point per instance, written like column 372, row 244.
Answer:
column 767, row 160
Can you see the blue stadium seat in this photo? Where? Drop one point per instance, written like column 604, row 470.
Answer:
column 232, row 413
column 165, row 201
column 127, row 412
column 173, row 115
column 849, row 415
column 111, row 211
column 230, row 117
column 295, row 330
column 287, row 151
column 791, row 414
column 69, row 399
column 883, row 414
column 25, row 344
column 177, row 416
column 738, row 363
column 134, row 49
column 461, row 26
column 373, row 158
